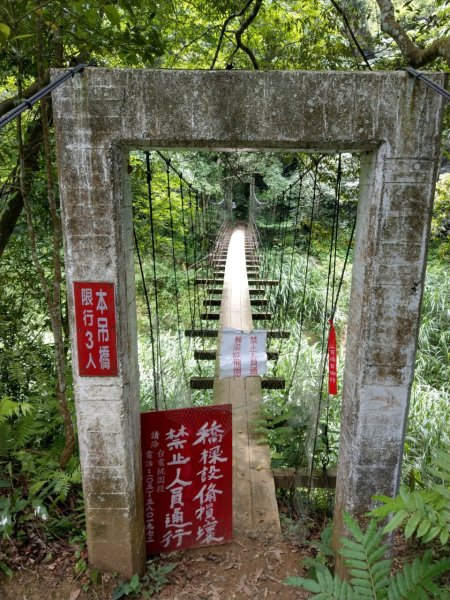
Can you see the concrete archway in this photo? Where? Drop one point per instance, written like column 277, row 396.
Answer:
column 393, row 121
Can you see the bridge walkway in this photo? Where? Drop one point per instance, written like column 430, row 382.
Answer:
column 254, row 502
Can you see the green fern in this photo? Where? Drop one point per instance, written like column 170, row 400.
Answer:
column 415, row 581
column 425, row 513
column 12, row 408
column 326, row 587
column 369, row 571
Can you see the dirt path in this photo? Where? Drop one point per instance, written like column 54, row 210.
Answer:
column 243, row 569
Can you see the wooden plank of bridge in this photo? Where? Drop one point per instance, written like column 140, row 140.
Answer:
column 254, row 502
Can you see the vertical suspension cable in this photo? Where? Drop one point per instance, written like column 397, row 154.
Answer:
column 186, row 256
column 280, row 268
column 194, row 249
column 337, row 194
column 196, row 299
column 324, row 346
column 149, row 313
column 199, row 235
column 305, row 281
column 291, row 270
column 155, row 280
column 174, row 263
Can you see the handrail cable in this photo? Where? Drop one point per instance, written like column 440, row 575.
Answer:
column 31, row 101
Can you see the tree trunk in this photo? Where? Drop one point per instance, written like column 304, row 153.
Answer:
column 11, row 193
column 52, row 289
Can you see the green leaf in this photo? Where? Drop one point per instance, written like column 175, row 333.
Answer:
column 308, row 584
column 5, row 30
column 419, row 502
column 164, row 569
column 432, row 533
column 444, row 536
column 443, row 491
column 412, row 523
column 112, row 14
column 376, row 555
column 354, row 546
column 19, row 505
column 357, row 555
column 22, row 36
column 355, row 564
column 359, row 574
column 118, row 592
column 135, row 583
column 424, row 527
column 95, row 576
column 353, row 527
column 396, row 521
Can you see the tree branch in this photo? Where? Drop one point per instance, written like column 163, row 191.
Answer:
column 245, row 25
column 183, row 48
column 414, row 55
column 11, row 194
column 52, row 289
column 350, row 30
column 224, row 28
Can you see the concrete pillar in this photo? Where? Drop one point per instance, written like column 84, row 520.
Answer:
column 99, row 247
column 394, row 213
column 392, row 120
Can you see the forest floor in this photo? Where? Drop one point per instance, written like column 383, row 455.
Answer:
column 246, row 568
column 243, row 569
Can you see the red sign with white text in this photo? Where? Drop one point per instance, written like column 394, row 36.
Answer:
column 332, row 361
column 95, row 318
column 187, row 471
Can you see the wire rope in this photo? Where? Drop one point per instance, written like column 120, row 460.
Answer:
column 149, row 314
column 326, row 320
column 305, row 281
column 155, row 278
column 174, row 265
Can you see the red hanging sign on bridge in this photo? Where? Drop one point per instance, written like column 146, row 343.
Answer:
column 95, row 319
column 332, row 361
column 187, row 472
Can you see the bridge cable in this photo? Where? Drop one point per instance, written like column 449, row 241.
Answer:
column 328, row 316
column 174, row 263
column 291, row 268
column 305, row 280
column 155, row 278
column 150, row 320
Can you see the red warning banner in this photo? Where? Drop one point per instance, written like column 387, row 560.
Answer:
column 187, row 471
column 95, row 318
column 332, row 361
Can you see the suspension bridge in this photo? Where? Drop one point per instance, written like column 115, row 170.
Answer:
column 254, row 503
column 239, row 283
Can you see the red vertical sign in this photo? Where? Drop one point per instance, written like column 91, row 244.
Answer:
column 95, row 318
column 187, row 470
column 332, row 360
